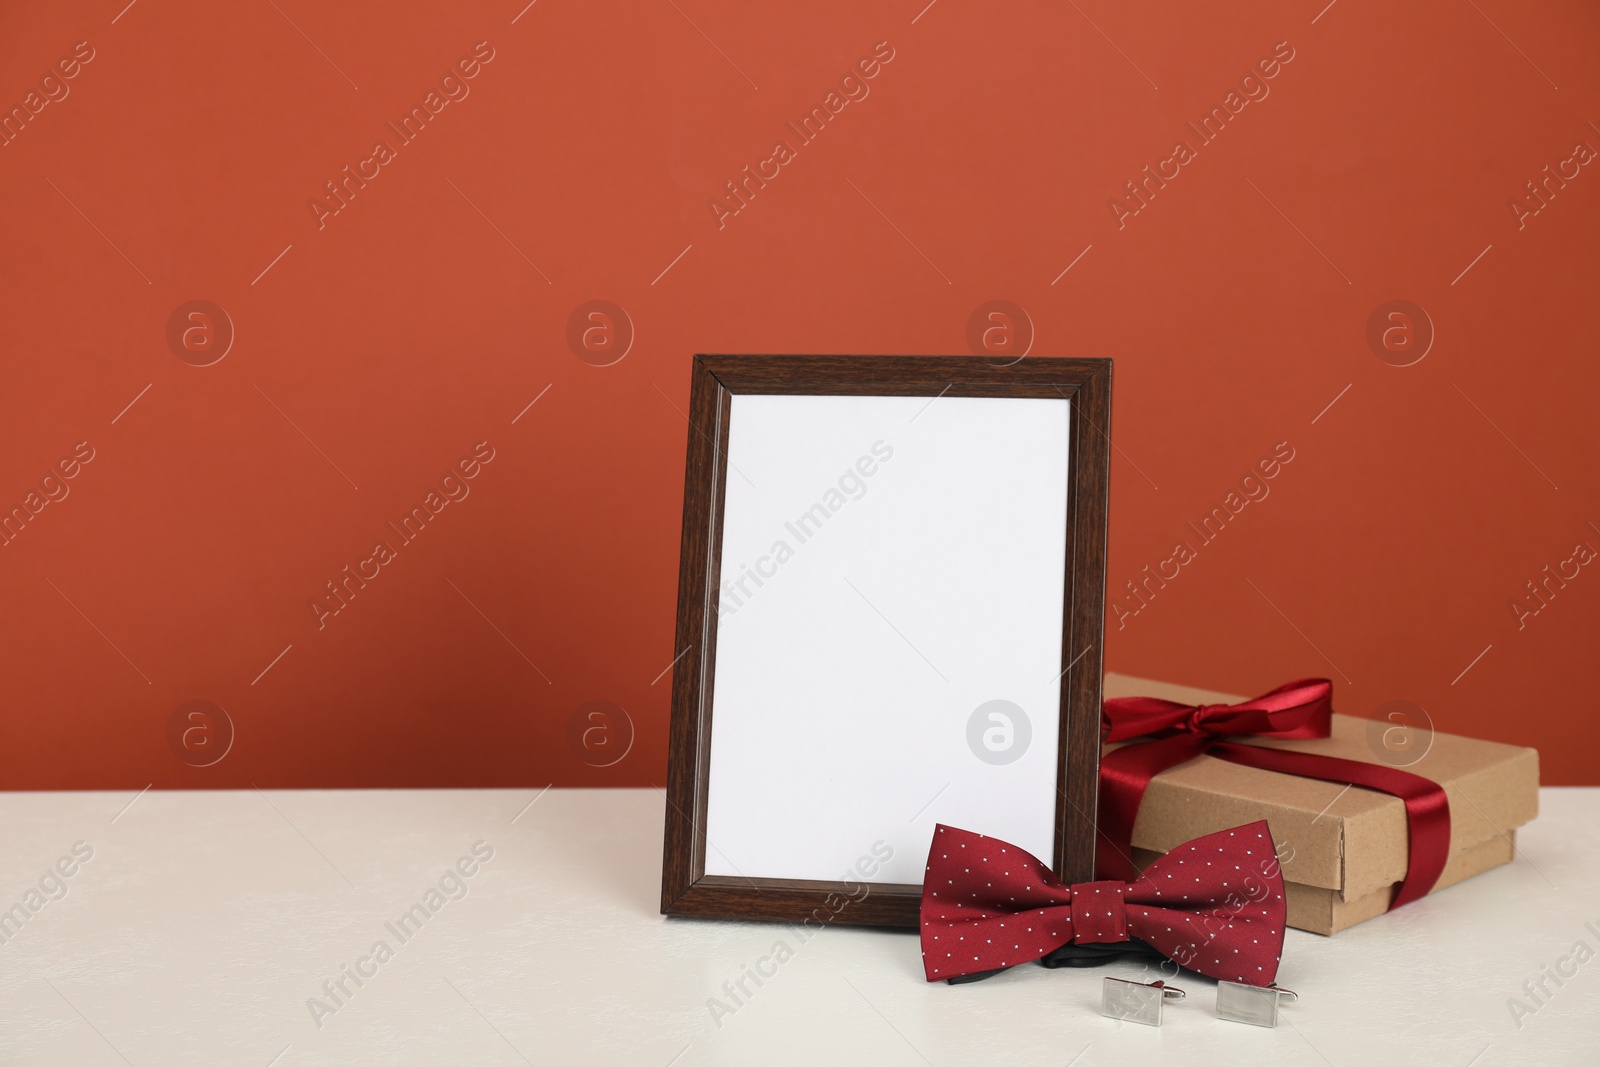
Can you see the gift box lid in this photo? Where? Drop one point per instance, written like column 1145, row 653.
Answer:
column 1343, row 838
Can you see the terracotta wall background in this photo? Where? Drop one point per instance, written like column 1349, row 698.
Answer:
column 349, row 357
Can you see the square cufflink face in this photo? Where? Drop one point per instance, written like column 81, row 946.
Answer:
column 1255, row 1005
column 1134, row 1002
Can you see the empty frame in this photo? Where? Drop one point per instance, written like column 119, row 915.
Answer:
column 890, row 607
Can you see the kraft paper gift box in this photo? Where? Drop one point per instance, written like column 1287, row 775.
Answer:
column 1342, row 849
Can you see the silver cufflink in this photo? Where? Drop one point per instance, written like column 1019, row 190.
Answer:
column 1255, row 1005
column 1137, row 1002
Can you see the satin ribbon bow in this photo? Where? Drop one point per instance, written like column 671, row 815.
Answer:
column 1299, row 710
column 1214, row 905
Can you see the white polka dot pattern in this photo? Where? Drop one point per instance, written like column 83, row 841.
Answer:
column 1214, row 905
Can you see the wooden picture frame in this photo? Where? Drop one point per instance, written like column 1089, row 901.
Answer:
column 795, row 395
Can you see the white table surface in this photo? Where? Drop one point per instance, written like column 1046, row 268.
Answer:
column 204, row 922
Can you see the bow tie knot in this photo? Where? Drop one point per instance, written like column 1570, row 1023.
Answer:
column 1099, row 912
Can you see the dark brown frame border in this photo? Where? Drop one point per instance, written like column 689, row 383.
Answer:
column 1086, row 383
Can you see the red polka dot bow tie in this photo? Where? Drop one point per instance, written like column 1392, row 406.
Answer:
column 1214, row 905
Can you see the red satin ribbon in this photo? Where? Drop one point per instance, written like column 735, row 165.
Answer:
column 1302, row 709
